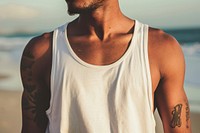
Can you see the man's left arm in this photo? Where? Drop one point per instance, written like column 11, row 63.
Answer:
column 171, row 100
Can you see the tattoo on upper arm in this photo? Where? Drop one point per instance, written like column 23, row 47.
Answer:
column 176, row 116
column 33, row 96
column 187, row 115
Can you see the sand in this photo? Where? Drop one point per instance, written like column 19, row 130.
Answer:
column 10, row 114
column 10, row 111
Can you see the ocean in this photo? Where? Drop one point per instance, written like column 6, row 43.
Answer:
column 11, row 48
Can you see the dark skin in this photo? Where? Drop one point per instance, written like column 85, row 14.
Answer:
column 35, row 73
column 102, row 41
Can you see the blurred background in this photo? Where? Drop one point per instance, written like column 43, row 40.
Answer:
column 23, row 19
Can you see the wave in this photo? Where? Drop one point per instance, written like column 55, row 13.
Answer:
column 11, row 43
column 191, row 49
column 186, row 35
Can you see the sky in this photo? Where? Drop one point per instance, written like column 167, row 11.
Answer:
column 45, row 15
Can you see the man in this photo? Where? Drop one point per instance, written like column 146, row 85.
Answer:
column 101, row 73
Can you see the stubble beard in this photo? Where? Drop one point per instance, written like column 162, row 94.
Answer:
column 73, row 9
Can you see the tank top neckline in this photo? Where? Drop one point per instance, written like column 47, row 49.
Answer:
column 116, row 63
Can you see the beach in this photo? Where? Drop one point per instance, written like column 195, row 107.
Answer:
column 10, row 110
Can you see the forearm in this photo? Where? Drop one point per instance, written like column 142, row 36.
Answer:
column 34, row 120
column 173, row 107
column 30, row 126
column 175, row 114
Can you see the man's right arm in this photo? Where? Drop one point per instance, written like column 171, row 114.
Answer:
column 35, row 97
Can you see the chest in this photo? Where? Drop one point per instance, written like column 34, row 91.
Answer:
column 100, row 52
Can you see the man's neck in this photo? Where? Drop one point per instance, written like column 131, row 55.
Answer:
column 102, row 21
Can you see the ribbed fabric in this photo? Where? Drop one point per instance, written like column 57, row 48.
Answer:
column 115, row 98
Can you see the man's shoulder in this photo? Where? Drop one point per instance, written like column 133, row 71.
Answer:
column 161, row 38
column 165, row 50
column 163, row 42
column 38, row 45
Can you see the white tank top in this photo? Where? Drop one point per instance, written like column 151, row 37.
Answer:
column 115, row 98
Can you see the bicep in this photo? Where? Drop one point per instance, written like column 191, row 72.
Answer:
column 33, row 111
column 170, row 96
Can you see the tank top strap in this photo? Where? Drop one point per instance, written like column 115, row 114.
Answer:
column 147, row 65
column 144, row 31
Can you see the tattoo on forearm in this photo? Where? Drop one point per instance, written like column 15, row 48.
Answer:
column 176, row 116
column 187, row 115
